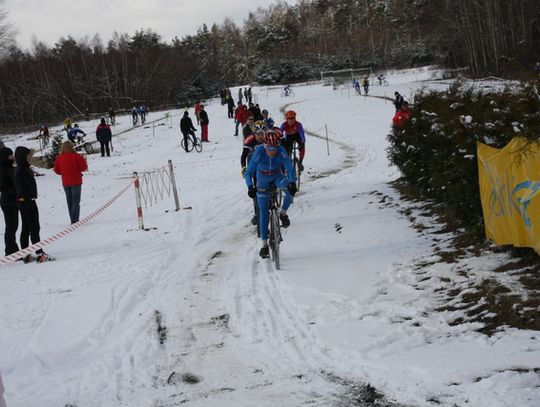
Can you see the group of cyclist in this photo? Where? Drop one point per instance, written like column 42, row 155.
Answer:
column 139, row 112
column 266, row 161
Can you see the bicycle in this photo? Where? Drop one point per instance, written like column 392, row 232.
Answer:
column 290, row 93
column 274, row 232
column 80, row 143
column 193, row 142
column 295, row 158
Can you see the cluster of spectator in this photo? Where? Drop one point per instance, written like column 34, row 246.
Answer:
column 18, row 188
column 402, row 114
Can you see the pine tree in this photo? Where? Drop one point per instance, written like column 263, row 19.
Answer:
column 55, row 150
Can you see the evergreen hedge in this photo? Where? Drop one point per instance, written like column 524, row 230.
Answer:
column 436, row 150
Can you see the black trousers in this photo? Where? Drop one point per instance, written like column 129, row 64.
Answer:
column 29, row 223
column 105, row 148
column 11, row 218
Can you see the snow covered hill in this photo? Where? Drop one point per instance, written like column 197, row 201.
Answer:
column 188, row 314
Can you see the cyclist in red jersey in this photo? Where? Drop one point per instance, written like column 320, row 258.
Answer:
column 293, row 130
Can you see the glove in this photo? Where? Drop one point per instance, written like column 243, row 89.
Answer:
column 252, row 191
column 292, row 188
column 243, row 171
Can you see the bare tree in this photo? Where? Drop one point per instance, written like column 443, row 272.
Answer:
column 7, row 31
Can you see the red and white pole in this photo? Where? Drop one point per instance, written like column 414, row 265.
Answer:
column 137, row 186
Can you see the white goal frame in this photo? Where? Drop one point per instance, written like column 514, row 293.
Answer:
column 331, row 77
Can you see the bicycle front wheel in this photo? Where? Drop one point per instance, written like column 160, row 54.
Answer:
column 296, row 164
column 198, row 144
column 88, row 148
column 275, row 236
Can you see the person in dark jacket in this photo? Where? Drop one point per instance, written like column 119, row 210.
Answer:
column 26, row 190
column 104, row 136
column 203, row 118
column 8, row 200
column 230, row 107
column 70, row 165
column 398, row 101
column 186, row 127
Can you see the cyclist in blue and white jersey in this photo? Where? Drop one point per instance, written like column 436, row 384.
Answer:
column 267, row 163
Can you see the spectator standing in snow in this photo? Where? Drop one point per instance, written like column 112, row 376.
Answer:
column 104, row 136
column 186, row 127
column 8, row 200
column 398, row 101
column 26, row 189
column 240, row 95
column 197, row 109
column 203, row 118
column 402, row 116
column 230, row 107
column 249, row 95
column 70, row 165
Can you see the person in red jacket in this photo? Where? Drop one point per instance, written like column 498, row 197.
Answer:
column 402, row 115
column 197, row 108
column 70, row 165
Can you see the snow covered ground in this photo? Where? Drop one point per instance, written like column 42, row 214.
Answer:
column 350, row 305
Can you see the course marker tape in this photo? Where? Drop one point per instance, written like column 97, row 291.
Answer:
column 31, row 249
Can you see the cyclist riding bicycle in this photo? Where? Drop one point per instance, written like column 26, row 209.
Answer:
column 112, row 115
column 267, row 163
column 292, row 131
column 287, row 90
column 73, row 134
column 44, row 134
column 135, row 115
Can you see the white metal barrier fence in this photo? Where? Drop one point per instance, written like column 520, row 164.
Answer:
column 151, row 188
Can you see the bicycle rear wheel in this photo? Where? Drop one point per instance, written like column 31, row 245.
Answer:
column 275, row 236
column 189, row 144
column 198, row 144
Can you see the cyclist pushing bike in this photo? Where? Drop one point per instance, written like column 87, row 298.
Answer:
column 267, row 164
column 292, row 131
column 187, row 129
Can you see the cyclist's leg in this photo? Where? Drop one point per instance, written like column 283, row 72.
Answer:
column 263, row 201
column 283, row 182
column 302, row 150
column 287, row 143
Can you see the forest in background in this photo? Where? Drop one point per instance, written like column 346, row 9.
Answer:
column 278, row 44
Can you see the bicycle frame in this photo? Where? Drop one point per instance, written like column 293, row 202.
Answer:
column 274, row 206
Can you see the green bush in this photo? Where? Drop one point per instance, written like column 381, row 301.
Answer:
column 436, row 150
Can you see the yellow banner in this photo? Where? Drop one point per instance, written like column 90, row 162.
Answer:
column 510, row 192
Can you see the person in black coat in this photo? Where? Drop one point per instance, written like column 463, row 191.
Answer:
column 230, row 107
column 8, row 200
column 186, row 127
column 398, row 101
column 104, row 136
column 26, row 190
column 203, row 118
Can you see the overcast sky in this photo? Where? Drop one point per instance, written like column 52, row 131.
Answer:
column 49, row 20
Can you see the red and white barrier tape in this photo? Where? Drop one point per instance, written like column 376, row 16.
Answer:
column 31, row 249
